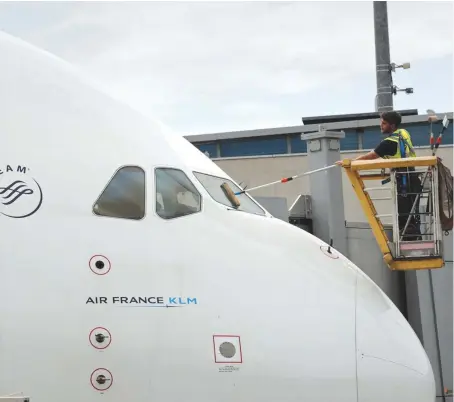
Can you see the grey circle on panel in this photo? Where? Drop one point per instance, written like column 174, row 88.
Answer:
column 227, row 350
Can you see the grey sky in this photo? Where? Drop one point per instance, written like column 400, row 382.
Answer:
column 220, row 66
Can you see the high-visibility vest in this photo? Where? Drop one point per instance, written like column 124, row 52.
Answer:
column 404, row 145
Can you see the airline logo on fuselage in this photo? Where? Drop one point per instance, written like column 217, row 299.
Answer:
column 152, row 301
column 20, row 195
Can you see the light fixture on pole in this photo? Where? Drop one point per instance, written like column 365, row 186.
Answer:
column 393, row 66
column 395, row 89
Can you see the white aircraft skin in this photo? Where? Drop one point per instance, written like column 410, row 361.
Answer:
column 306, row 325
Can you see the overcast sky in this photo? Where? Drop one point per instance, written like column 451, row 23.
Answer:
column 221, row 66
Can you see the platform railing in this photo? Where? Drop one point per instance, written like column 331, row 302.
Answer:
column 424, row 251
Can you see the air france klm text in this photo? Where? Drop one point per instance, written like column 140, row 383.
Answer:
column 142, row 300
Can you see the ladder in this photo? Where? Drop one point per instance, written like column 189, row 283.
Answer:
column 408, row 249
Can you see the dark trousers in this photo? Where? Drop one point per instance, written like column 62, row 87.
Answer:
column 405, row 200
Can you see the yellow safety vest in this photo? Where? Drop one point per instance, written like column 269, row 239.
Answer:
column 398, row 136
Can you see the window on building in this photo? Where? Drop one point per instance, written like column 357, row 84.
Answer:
column 213, row 186
column 298, row 146
column 350, row 142
column 254, row 146
column 124, row 195
column 176, row 196
column 372, row 137
column 209, row 149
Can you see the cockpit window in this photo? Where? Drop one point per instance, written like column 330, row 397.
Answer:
column 213, row 185
column 176, row 196
column 124, row 195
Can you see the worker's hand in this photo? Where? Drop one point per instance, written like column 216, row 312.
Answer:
column 339, row 163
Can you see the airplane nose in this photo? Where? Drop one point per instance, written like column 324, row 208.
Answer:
column 392, row 365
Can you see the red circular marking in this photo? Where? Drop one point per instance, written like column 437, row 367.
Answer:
column 96, row 347
column 92, row 382
column 98, row 273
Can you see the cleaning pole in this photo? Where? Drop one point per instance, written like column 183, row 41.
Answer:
column 287, row 179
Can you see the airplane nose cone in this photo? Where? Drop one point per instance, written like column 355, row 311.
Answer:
column 392, row 365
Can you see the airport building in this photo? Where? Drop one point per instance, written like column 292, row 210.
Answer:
column 326, row 205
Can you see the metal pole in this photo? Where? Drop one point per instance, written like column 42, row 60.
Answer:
column 384, row 98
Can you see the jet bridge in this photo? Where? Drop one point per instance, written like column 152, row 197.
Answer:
column 408, row 249
column 300, row 213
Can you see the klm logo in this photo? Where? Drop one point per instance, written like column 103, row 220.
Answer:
column 182, row 300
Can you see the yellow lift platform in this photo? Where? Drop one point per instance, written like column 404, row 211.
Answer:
column 402, row 252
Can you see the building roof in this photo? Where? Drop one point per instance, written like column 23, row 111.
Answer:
column 326, row 123
column 349, row 117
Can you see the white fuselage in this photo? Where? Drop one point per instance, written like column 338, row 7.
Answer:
column 218, row 305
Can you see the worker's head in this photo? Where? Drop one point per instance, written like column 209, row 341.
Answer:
column 390, row 122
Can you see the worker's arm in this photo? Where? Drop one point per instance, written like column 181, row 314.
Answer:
column 368, row 156
column 385, row 148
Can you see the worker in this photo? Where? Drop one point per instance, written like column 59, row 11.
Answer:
column 398, row 144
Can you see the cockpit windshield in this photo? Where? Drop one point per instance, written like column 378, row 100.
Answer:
column 176, row 196
column 213, row 186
